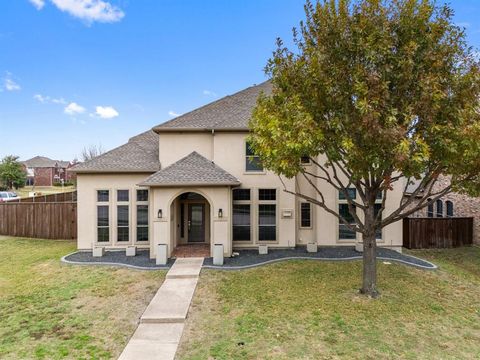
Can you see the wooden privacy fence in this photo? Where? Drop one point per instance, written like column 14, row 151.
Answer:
column 429, row 233
column 46, row 217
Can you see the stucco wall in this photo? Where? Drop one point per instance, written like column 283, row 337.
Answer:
column 87, row 186
column 227, row 150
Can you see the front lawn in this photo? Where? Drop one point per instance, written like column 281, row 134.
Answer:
column 50, row 310
column 311, row 310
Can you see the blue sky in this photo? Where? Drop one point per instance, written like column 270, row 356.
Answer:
column 72, row 76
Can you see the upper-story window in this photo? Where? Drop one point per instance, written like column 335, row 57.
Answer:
column 252, row 161
column 305, row 160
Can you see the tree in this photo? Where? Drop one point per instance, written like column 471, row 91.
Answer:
column 91, row 152
column 12, row 172
column 377, row 94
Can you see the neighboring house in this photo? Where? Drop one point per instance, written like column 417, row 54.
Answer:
column 42, row 171
column 193, row 180
column 451, row 205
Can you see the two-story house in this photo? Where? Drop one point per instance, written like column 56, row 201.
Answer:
column 194, row 180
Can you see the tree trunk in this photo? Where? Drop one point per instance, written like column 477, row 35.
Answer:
column 369, row 286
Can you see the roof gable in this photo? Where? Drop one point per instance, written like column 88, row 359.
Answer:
column 139, row 154
column 192, row 170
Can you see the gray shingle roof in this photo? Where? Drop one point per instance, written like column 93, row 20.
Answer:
column 232, row 112
column 192, row 170
column 45, row 162
column 139, row 154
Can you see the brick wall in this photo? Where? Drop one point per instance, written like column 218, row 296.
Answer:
column 44, row 176
column 463, row 206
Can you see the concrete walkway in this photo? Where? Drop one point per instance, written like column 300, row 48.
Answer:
column 161, row 325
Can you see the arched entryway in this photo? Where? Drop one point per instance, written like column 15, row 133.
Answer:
column 190, row 225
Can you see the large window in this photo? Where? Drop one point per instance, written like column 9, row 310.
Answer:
column 267, row 215
column 103, row 224
column 305, row 215
column 344, row 232
column 252, row 161
column 241, row 215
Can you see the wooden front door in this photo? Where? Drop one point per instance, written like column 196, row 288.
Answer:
column 196, row 223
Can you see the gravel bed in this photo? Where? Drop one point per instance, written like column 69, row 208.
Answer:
column 118, row 258
column 251, row 258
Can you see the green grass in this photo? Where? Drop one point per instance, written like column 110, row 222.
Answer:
column 50, row 310
column 312, row 310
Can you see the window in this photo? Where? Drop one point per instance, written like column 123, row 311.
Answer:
column 252, row 162
column 449, row 208
column 241, row 230
column 305, row 160
column 439, row 208
column 305, row 215
column 267, row 215
column 122, row 195
column 267, row 229
column 344, row 233
column 241, row 222
column 430, row 209
column 102, row 195
column 378, row 232
column 267, row 194
column 142, row 222
column 352, row 193
column 122, row 223
column 103, row 227
column 142, row 195
column 241, row 194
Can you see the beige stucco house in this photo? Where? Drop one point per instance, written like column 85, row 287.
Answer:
column 193, row 180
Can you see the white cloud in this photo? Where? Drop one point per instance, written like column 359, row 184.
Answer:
column 90, row 10
column 73, row 109
column 47, row 99
column 209, row 93
column 106, row 112
column 39, row 4
column 10, row 84
column 173, row 113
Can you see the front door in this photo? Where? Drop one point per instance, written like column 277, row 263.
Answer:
column 196, row 223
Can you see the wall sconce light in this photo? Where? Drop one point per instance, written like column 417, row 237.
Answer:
column 159, row 215
column 220, row 213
